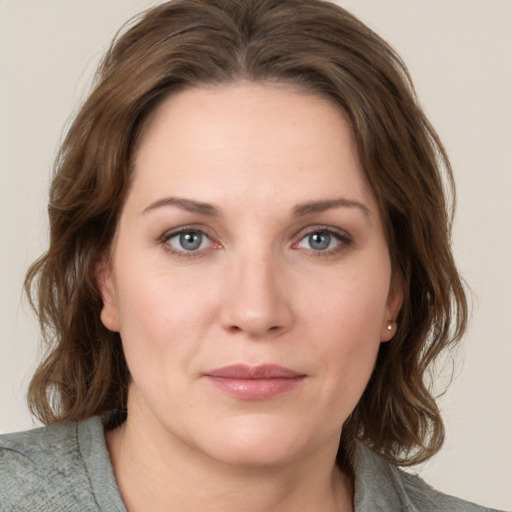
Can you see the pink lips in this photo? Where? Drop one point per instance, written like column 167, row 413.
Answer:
column 254, row 382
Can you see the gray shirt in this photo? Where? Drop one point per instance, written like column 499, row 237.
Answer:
column 67, row 468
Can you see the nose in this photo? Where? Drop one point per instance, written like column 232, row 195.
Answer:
column 257, row 298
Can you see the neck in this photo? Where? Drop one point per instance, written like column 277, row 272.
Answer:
column 155, row 470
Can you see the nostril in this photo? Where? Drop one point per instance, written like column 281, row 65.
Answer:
column 237, row 329
column 255, row 310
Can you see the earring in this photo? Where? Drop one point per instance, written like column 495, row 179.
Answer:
column 390, row 326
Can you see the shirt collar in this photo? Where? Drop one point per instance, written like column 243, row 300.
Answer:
column 378, row 486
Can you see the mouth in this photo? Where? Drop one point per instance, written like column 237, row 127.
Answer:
column 246, row 382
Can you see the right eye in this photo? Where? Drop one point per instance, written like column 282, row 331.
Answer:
column 187, row 241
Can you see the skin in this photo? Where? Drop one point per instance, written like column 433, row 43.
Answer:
column 257, row 290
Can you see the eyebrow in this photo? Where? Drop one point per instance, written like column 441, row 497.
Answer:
column 300, row 210
column 327, row 204
column 185, row 204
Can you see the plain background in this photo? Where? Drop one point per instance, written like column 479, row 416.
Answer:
column 459, row 53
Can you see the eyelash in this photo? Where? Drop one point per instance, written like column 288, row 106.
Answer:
column 345, row 241
column 167, row 236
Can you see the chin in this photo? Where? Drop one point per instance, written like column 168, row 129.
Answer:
column 256, row 442
column 253, row 453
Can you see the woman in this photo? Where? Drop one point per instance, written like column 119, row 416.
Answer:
column 249, row 273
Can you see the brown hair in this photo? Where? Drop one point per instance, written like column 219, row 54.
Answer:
column 318, row 47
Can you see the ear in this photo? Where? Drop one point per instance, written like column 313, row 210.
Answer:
column 393, row 305
column 105, row 282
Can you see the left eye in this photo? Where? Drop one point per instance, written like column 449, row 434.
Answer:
column 189, row 241
column 320, row 241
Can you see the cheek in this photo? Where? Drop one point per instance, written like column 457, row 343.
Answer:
column 350, row 305
column 345, row 324
column 163, row 316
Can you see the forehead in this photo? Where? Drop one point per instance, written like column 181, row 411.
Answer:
column 249, row 138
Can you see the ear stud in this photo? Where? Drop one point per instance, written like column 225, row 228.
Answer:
column 390, row 326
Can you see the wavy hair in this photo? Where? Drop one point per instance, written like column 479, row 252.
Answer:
column 320, row 48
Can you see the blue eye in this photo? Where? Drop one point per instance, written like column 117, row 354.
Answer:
column 189, row 241
column 324, row 240
column 319, row 241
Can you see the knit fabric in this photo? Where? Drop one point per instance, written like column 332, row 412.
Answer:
column 67, row 468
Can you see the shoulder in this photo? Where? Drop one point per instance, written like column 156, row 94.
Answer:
column 43, row 469
column 382, row 486
column 35, row 446
column 425, row 498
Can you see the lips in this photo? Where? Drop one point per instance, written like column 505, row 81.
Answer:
column 254, row 382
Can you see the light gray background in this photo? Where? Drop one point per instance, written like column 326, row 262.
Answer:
column 459, row 53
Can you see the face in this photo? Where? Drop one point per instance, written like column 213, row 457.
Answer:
column 250, row 278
